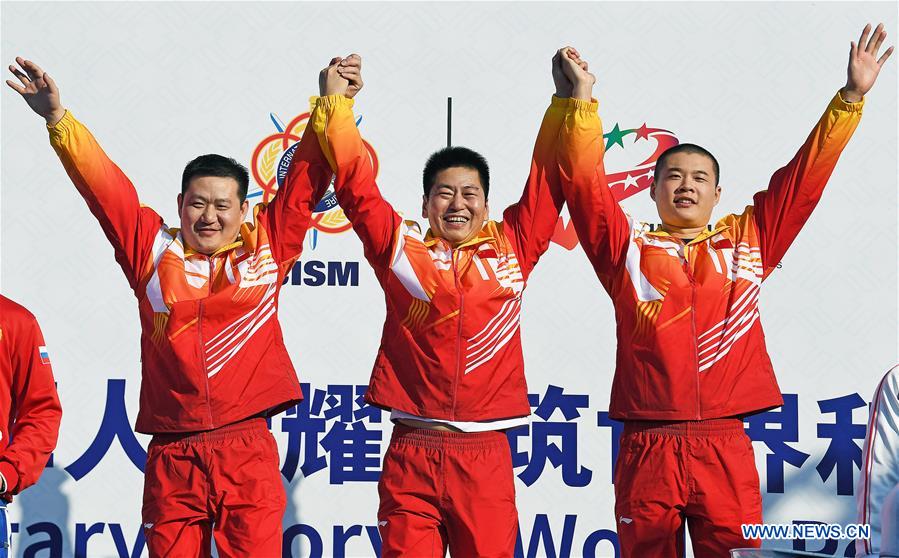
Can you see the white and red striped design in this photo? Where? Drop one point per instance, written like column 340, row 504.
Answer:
column 673, row 248
column 401, row 265
column 479, row 265
column 508, row 272
column 261, row 269
column 196, row 272
column 221, row 348
column 747, row 263
column 495, row 335
column 717, row 341
column 441, row 256
column 719, row 258
column 162, row 242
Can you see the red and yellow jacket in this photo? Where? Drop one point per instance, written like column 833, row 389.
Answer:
column 29, row 407
column 690, row 343
column 451, row 348
column 211, row 346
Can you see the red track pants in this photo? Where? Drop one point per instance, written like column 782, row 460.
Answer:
column 224, row 484
column 442, row 489
column 702, row 472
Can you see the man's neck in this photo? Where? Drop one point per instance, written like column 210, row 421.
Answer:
column 191, row 250
column 684, row 233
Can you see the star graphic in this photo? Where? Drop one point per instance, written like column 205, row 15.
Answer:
column 615, row 137
column 629, row 181
column 642, row 132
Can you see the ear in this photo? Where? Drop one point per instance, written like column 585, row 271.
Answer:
column 180, row 201
column 717, row 194
column 244, row 207
column 424, row 206
column 486, row 210
column 652, row 189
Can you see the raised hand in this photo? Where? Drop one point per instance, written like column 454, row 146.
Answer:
column 577, row 72
column 38, row 89
column 329, row 80
column 563, row 86
column 350, row 69
column 864, row 66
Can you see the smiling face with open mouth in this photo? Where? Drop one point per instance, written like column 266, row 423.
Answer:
column 685, row 192
column 456, row 206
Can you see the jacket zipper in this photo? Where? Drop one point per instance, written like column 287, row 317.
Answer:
column 693, row 329
column 203, row 345
column 459, row 332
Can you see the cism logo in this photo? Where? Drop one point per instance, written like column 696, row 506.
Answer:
column 271, row 159
column 315, row 273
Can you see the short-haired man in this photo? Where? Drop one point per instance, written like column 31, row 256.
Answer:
column 450, row 364
column 29, row 407
column 213, row 359
column 691, row 358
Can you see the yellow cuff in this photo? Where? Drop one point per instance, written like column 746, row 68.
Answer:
column 332, row 101
column 67, row 118
column 839, row 103
column 570, row 103
column 61, row 129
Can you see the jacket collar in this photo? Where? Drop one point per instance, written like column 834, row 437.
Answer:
column 190, row 252
column 486, row 234
column 708, row 232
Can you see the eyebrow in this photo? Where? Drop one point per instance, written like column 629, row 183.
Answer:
column 680, row 170
column 199, row 197
column 465, row 187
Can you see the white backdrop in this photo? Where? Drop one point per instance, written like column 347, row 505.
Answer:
column 159, row 83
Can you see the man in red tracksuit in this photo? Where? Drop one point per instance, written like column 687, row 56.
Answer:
column 691, row 356
column 214, row 363
column 29, row 408
column 450, row 365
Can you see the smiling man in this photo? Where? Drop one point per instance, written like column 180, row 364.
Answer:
column 214, row 363
column 450, row 365
column 691, row 359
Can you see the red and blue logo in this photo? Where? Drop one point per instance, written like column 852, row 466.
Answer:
column 271, row 159
column 646, row 147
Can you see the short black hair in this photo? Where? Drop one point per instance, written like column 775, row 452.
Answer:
column 686, row 148
column 217, row 165
column 450, row 157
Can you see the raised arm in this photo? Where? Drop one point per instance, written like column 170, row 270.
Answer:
column 109, row 194
column 601, row 225
column 289, row 214
column 794, row 190
column 373, row 219
column 532, row 220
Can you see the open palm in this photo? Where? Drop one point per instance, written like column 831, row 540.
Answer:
column 864, row 66
column 38, row 89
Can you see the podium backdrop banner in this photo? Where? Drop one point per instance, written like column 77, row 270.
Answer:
column 160, row 83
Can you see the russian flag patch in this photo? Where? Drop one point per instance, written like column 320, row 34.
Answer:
column 45, row 355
